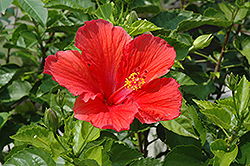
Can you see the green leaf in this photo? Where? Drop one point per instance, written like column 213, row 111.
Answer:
column 15, row 91
column 182, row 125
column 94, row 153
column 139, row 27
column 180, row 47
column 16, row 32
column 6, row 132
column 30, row 156
column 216, row 114
column 83, row 132
column 40, row 138
column 146, row 6
column 242, row 97
column 4, row 117
column 35, row 9
column 4, row 4
column 243, row 156
column 147, row 162
column 137, row 126
column 29, row 38
column 105, row 12
column 73, row 5
column 121, row 155
column 182, row 78
column 182, row 20
column 211, row 12
column 243, row 47
column 201, row 90
column 7, row 72
column 190, row 155
column 223, row 155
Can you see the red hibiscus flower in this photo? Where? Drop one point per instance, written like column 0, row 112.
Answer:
column 117, row 77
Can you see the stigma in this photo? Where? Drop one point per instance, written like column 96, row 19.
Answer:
column 134, row 81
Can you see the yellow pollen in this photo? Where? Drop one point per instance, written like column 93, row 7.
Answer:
column 134, row 81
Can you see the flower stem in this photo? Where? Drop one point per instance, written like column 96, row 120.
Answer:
column 209, row 58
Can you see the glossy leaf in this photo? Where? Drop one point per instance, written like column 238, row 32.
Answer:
column 139, row 27
column 4, row 4
column 223, row 156
column 190, row 155
column 30, row 156
column 183, row 20
column 244, row 150
column 4, row 117
column 35, row 9
column 242, row 97
column 94, row 153
column 121, row 155
column 7, row 72
column 73, row 5
column 216, row 114
column 182, row 78
column 245, row 47
column 83, row 132
column 182, row 125
column 15, row 91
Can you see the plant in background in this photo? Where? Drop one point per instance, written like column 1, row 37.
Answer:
column 108, row 68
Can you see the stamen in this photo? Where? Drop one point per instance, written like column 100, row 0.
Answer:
column 134, row 81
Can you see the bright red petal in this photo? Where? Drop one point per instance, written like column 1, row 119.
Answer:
column 148, row 54
column 68, row 69
column 102, row 45
column 158, row 100
column 117, row 117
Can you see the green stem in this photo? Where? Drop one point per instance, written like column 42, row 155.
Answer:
column 137, row 27
column 84, row 143
column 45, row 143
column 207, row 57
column 120, row 16
column 59, row 141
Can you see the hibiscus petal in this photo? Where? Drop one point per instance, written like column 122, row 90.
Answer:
column 117, row 117
column 151, row 55
column 102, row 45
column 68, row 69
column 158, row 100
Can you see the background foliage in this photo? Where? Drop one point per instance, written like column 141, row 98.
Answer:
column 212, row 42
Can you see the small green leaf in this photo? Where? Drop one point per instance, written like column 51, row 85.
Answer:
column 4, row 4
column 105, row 12
column 16, row 32
column 211, row 12
column 29, row 38
column 4, row 117
column 121, row 155
column 94, row 153
column 139, row 27
column 180, row 47
column 84, row 132
column 15, row 91
column 243, row 156
column 30, row 156
column 216, row 114
column 242, row 97
column 223, row 155
column 243, row 47
column 183, row 20
column 147, row 162
column 182, row 125
column 35, row 9
column 190, row 155
column 7, row 72
column 73, row 5
column 182, row 78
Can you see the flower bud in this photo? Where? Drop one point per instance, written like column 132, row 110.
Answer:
column 202, row 41
column 60, row 98
column 232, row 81
column 51, row 119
